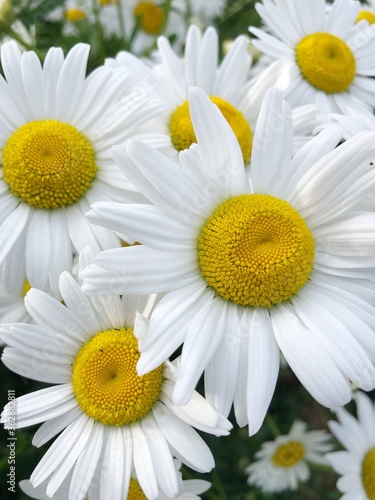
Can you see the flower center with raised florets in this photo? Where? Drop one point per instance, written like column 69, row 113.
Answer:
column 288, row 454
column 105, row 380
column 182, row 132
column 48, row 164
column 255, row 250
column 135, row 492
column 368, row 474
column 151, row 17
column 326, row 62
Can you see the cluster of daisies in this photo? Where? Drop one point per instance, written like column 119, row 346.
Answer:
column 183, row 218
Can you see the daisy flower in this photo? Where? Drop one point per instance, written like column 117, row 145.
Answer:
column 282, row 463
column 227, row 83
column 57, row 128
column 191, row 488
column 324, row 58
column 356, row 464
column 121, row 20
column 250, row 263
column 111, row 420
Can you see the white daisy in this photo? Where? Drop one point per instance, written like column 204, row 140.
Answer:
column 111, row 420
column 282, row 463
column 323, row 58
column 57, row 128
column 121, row 20
column 227, row 83
column 238, row 286
column 191, row 488
column 356, row 464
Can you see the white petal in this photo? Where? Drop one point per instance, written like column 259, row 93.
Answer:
column 312, row 365
column 188, row 445
column 220, row 385
column 263, row 368
column 143, row 465
column 204, row 336
column 272, row 145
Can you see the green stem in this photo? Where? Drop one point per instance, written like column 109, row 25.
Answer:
column 99, row 29
column 273, row 427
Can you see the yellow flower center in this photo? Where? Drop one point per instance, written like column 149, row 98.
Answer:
column 288, row 454
column 74, row 15
column 48, row 164
column 26, row 287
column 182, row 132
column 151, row 16
column 326, row 62
column 255, row 250
column 105, row 381
column 135, row 492
column 367, row 15
column 368, row 474
column 107, row 2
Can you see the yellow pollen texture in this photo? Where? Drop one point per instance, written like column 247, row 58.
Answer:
column 368, row 474
column 74, row 15
column 135, row 492
column 48, row 164
column 105, row 381
column 326, row 62
column 288, row 454
column 151, row 16
column 182, row 132
column 255, row 250
column 367, row 15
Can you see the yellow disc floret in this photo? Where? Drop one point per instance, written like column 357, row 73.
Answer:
column 182, row 132
column 288, row 454
column 74, row 15
column 367, row 15
column 255, row 250
column 26, row 287
column 105, row 380
column 326, row 62
column 48, row 164
column 135, row 492
column 151, row 17
column 368, row 474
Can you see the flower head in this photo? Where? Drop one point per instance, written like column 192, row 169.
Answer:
column 57, row 129
column 356, row 464
column 250, row 264
column 282, row 463
column 111, row 419
column 322, row 58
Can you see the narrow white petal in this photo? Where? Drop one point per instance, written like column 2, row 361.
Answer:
column 161, row 457
column 272, row 145
column 219, row 384
column 203, row 338
column 263, row 368
column 310, row 362
column 188, row 445
column 143, row 465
